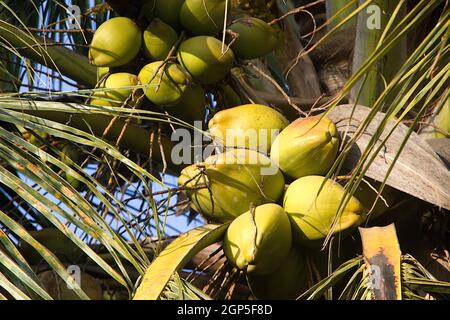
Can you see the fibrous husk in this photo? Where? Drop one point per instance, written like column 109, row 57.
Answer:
column 418, row 171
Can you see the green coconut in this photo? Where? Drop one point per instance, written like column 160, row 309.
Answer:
column 159, row 38
column 308, row 146
column 115, row 43
column 59, row 289
column 287, row 282
column 235, row 180
column 166, row 10
column 255, row 38
column 56, row 242
column 204, row 59
column 251, row 126
column 192, row 106
column 33, row 138
column 71, row 153
column 259, row 240
column 166, row 84
column 117, row 88
column 203, row 17
column 439, row 123
column 101, row 103
column 313, row 204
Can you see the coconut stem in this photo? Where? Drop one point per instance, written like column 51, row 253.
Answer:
column 371, row 27
column 340, row 9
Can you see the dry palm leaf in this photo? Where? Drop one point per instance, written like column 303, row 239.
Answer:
column 382, row 255
column 418, row 171
column 174, row 257
column 442, row 148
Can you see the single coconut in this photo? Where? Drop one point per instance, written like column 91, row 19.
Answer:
column 116, row 88
column 191, row 107
column 259, row 240
column 204, row 59
column 225, row 185
column 115, row 43
column 250, row 126
column 165, row 84
column 308, row 146
column 318, row 206
column 159, row 38
column 166, row 10
column 254, row 38
column 203, row 17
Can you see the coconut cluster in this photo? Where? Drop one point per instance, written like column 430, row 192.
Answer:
column 274, row 218
column 176, row 54
column 271, row 188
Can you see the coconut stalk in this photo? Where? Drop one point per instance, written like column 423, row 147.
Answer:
column 299, row 72
column 60, row 59
column 371, row 26
column 333, row 8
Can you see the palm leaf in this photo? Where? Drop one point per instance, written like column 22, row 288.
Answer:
column 174, row 257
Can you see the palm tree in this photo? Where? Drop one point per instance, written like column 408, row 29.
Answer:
column 100, row 182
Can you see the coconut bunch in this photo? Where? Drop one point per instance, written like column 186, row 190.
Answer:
column 175, row 55
column 270, row 184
